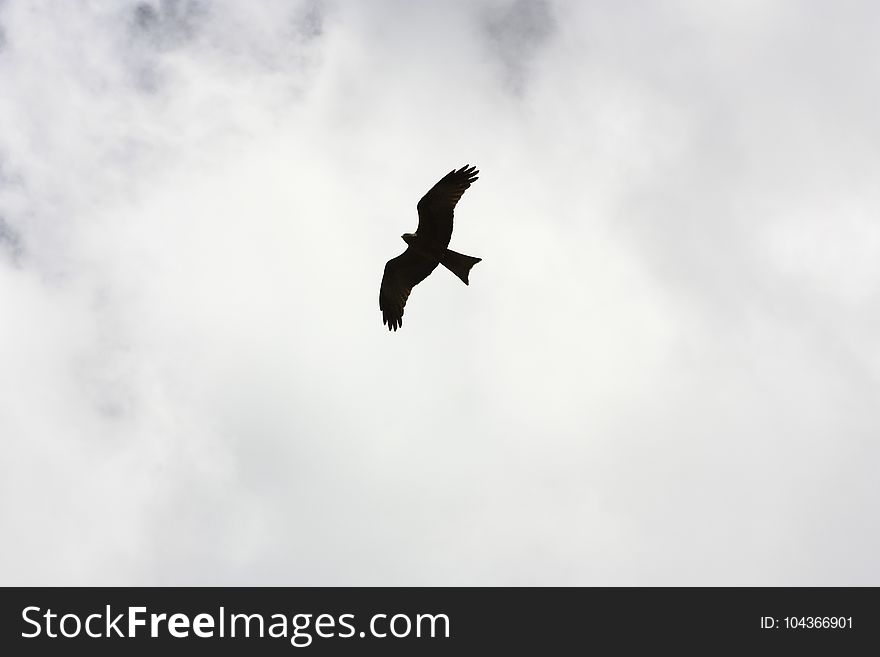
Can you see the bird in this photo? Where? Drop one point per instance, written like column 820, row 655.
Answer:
column 426, row 248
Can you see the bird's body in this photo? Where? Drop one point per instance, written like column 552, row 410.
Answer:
column 427, row 247
column 423, row 247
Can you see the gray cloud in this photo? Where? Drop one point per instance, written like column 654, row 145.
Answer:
column 10, row 241
column 663, row 371
column 517, row 30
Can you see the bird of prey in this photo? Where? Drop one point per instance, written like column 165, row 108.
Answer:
column 426, row 248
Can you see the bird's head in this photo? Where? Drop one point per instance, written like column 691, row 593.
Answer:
column 408, row 237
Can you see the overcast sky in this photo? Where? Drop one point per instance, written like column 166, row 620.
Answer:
column 665, row 370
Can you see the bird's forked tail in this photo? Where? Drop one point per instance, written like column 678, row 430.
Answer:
column 459, row 264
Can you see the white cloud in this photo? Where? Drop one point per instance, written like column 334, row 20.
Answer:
column 662, row 371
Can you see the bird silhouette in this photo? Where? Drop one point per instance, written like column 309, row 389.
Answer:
column 426, row 248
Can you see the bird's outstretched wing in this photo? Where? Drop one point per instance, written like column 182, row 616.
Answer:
column 436, row 207
column 401, row 274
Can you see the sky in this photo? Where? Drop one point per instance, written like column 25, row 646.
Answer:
column 665, row 370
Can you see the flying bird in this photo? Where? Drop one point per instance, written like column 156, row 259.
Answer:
column 426, row 248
